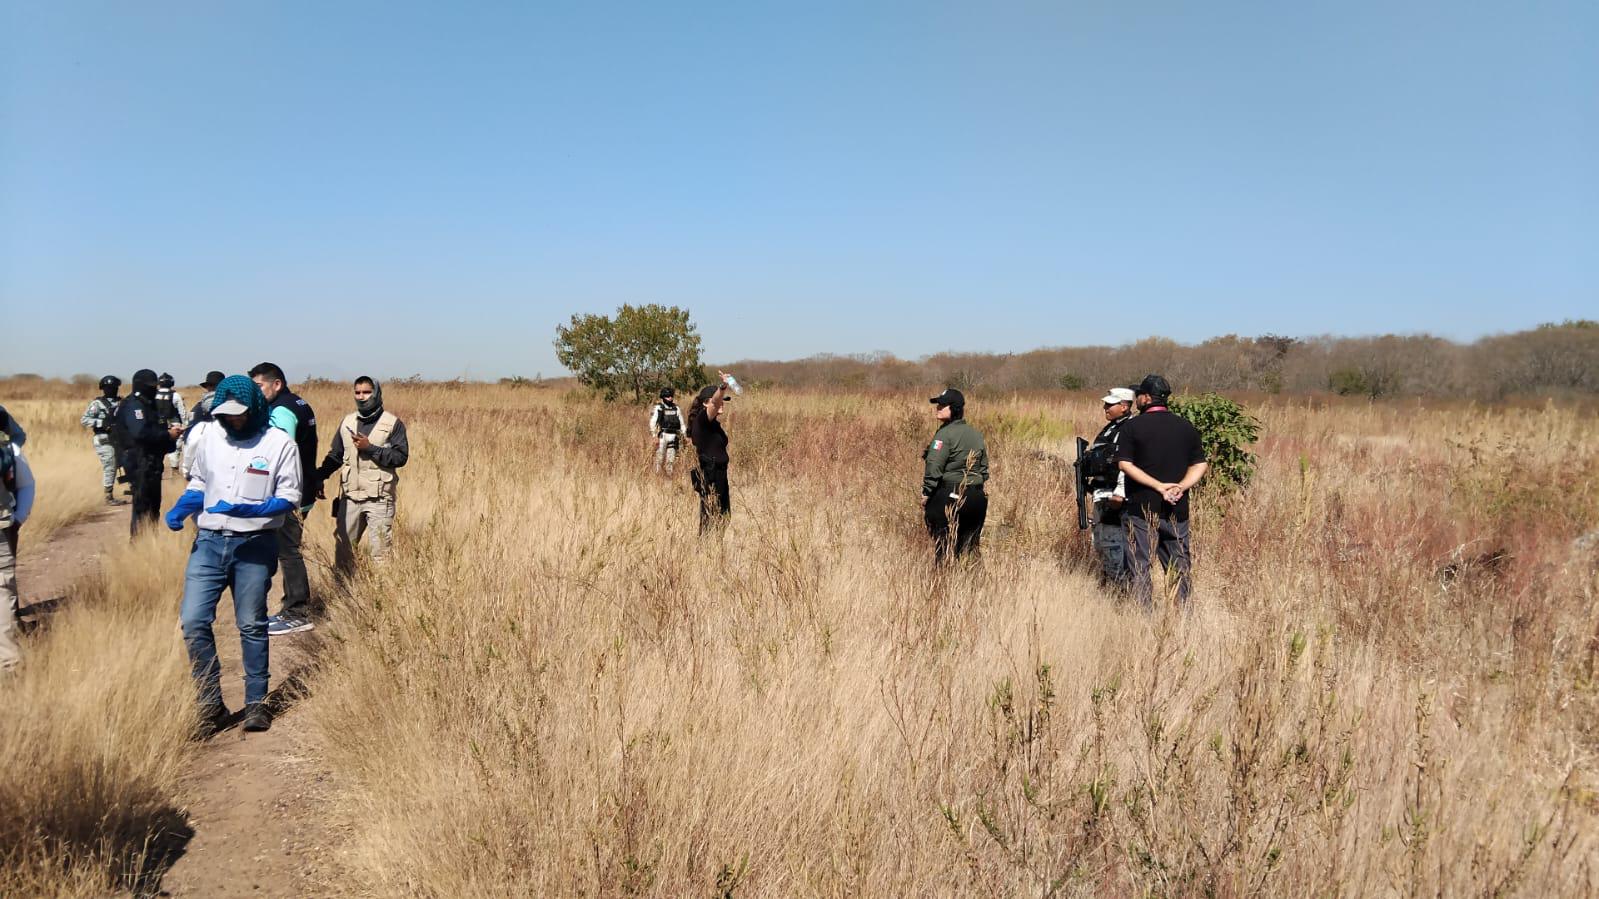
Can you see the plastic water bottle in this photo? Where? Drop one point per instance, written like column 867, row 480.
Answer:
column 733, row 383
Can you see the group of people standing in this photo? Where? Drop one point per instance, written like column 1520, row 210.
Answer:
column 1140, row 468
column 247, row 451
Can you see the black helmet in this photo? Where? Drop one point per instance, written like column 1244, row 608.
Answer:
column 110, row 383
column 165, row 380
column 667, row 393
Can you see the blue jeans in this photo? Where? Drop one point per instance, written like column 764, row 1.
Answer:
column 245, row 563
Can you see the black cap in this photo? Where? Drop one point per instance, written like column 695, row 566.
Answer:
column 1155, row 386
column 212, row 379
column 144, row 377
column 950, row 397
column 667, row 393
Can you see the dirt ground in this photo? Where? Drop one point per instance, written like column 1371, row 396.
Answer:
column 254, row 801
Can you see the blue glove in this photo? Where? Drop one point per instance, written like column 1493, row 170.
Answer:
column 274, row 506
column 188, row 504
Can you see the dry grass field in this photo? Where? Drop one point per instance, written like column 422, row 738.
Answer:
column 1387, row 687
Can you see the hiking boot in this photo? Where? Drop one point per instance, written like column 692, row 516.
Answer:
column 257, row 717
column 278, row 625
column 212, row 718
column 111, row 500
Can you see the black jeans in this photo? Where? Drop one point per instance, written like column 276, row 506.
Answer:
column 716, row 498
column 963, row 515
column 144, row 480
column 1155, row 536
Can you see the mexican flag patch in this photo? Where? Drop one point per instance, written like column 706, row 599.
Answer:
column 938, row 444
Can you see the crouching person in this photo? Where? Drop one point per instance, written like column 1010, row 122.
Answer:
column 367, row 453
column 244, row 479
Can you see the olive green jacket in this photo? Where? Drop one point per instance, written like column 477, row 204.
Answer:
column 947, row 455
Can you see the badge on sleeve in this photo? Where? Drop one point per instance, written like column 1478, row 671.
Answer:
column 139, row 414
column 938, row 444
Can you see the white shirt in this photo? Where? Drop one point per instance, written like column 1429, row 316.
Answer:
column 253, row 470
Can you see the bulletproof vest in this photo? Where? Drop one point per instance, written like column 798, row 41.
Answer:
column 1099, row 461
column 669, row 418
column 165, row 408
column 304, row 439
column 108, row 413
column 8, row 482
column 363, row 478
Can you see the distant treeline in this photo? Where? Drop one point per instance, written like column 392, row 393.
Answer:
column 1551, row 359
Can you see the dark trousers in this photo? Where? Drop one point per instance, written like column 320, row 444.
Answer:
column 963, row 514
column 1110, row 545
column 291, row 561
column 144, row 481
column 716, row 497
column 1162, row 537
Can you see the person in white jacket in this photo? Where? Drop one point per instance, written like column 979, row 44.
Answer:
column 245, row 478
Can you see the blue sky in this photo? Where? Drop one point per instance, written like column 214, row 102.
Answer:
column 431, row 188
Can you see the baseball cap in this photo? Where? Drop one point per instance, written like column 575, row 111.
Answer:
column 212, row 379
column 1118, row 395
column 950, row 397
column 231, row 407
column 1154, row 385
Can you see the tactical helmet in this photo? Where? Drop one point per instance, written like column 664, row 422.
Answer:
column 110, row 382
column 165, row 380
column 667, row 393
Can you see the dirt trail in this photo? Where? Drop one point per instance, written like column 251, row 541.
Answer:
column 254, row 801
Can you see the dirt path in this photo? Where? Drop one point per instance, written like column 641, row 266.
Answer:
column 254, row 801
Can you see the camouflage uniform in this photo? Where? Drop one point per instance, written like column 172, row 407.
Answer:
column 98, row 418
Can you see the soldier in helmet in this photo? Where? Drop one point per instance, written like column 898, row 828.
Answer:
column 666, row 429
column 171, row 411
column 98, row 418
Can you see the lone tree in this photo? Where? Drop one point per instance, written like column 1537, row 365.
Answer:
column 641, row 349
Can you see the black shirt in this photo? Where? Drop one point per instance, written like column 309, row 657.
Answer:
column 710, row 441
column 1163, row 445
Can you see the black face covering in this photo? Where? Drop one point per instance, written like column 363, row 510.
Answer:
column 372, row 406
column 144, row 383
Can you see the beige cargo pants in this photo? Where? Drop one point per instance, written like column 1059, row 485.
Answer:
column 355, row 518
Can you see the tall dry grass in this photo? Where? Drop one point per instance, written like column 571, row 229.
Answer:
column 93, row 728
column 557, row 688
column 61, row 455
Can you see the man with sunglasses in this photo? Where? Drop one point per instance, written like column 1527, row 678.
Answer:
column 1108, row 486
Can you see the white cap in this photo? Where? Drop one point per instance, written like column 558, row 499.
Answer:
column 231, row 407
column 1118, row 395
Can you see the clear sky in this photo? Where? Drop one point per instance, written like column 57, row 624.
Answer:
column 401, row 187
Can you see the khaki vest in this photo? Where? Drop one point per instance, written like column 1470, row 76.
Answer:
column 360, row 478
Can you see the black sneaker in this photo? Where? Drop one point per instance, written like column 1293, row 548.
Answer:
column 212, row 718
column 257, row 717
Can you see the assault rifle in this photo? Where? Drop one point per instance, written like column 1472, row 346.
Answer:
column 1080, row 481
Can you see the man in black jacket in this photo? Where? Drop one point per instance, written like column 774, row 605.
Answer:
column 1163, row 458
column 142, row 441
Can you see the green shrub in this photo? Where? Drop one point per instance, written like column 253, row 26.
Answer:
column 1070, row 381
column 1227, row 432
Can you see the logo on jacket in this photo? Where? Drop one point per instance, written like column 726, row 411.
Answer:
column 259, row 463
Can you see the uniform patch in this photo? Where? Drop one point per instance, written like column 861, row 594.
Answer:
column 938, row 444
column 259, row 463
column 139, row 414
